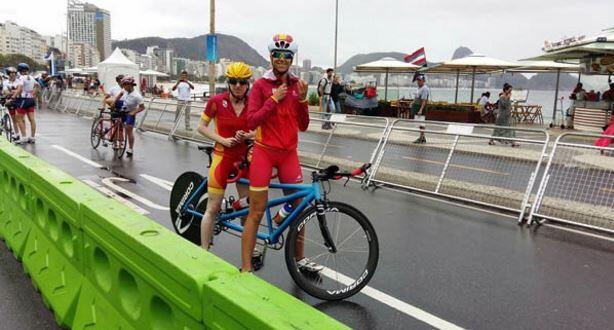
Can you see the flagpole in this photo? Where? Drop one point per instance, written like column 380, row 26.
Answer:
column 336, row 29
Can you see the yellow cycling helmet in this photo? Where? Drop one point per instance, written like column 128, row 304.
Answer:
column 238, row 70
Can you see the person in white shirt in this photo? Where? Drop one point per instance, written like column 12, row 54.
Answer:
column 9, row 86
column 324, row 88
column 109, row 96
column 132, row 103
column 184, row 89
column 25, row 93
column 418, row 106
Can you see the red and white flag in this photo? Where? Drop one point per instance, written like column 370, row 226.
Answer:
column 417, row 58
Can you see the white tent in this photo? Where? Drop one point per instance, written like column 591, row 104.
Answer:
column 386, row 65
column 116, row 64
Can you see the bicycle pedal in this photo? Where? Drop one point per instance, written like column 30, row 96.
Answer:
column 257, row 260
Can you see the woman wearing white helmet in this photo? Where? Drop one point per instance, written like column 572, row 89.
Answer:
column 132, row 103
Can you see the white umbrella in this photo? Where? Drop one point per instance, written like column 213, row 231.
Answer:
column 152, row 73
column 474, row 63
column 387, row 65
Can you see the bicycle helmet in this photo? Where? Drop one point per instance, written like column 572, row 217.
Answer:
column 21, row 67
column 10, row 70
column 283, row 42
column 238, row 70
column 128, row 80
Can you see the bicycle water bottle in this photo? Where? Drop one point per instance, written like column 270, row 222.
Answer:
column 283, row 213
column 240, row 203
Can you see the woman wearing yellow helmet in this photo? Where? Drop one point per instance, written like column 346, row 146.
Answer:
column 229, row 111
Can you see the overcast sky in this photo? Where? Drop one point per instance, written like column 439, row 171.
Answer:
column 507, row 30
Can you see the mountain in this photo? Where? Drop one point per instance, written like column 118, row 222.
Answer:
column 355, row 60
column 194, row 48
column 548, row 81
column 461, row 52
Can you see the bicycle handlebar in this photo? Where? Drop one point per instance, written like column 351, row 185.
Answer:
column 332, row 172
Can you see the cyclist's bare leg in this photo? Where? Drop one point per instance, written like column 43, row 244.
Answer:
column 257, row 205
column 21, row 124
column 206, row 228
column 32, row 121
column 130, row 130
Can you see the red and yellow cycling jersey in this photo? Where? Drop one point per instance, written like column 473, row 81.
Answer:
column 227, row 123
column 276, row 123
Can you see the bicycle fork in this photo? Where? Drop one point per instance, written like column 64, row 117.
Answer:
column 328, row 240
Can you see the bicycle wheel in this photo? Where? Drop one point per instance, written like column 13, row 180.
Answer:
column 185, row 188
column 7, row 127
column 120, row 140
column 345, row 272
column 97, row 132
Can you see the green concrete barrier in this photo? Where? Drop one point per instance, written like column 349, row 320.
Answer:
column 100, row 265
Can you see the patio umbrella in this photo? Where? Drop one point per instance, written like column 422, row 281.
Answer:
column 474, row 63
column 548, row 66
column 387, row 65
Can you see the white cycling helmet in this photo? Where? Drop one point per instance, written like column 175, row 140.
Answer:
column 283, row 42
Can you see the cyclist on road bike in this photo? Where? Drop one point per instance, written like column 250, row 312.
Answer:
column 109, row 97
column 132, row 104
column 8, row 90
column 277, row 110
column 26, row 103
column 229, row 110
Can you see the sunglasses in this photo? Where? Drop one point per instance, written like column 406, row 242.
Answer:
column 282, row 55
column 234, row 81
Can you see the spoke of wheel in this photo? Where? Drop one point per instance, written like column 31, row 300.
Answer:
column 338, row 228
column 318, row 256
column 353, row 251
column 336, row 271
column 358, row 273
column 347, row 238
column 305, row 239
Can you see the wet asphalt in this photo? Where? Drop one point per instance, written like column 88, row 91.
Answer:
column 472, row 268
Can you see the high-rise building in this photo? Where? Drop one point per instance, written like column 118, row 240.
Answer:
column 306, row 65
column 82, row 54
column 90, row 24
column 16, row 39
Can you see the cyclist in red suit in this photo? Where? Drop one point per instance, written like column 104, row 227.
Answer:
column 229, row 111
column 277, row 110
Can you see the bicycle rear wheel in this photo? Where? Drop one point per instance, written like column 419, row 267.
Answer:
column 97, row 132
column 185, row 190
column 343, row 273
column 7, row 127
column 120, row 139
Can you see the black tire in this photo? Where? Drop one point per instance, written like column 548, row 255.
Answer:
column 120, row 143
column 96, row 133
column 7, row 127
column 360, row 272
column 188, row 225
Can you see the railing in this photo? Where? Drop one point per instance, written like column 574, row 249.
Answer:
column 578, row 184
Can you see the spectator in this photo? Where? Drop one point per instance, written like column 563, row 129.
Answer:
column 608, row 95
column 418, row 106
column 324, row 87
column 486, row 108
column 184, row 88
column 336, row 89
column 592, row 96
column 504, row 117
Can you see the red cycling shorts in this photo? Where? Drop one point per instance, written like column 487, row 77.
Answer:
column 264, row 159
column 221, row 168
column 23, row 111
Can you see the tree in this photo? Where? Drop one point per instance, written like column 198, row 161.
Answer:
column 14, row 59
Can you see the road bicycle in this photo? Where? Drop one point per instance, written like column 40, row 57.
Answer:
column 336, row 239
column 6, row 125
column 108, row 128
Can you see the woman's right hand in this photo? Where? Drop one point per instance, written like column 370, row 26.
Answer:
column 229, row 142
column 280, row 92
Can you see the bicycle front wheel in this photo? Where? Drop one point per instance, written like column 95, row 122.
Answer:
column 7, row 127
column 97, row 132
column 332, row 275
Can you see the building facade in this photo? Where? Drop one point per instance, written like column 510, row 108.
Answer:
column 90, row 24
column 16, row 39
column 82, row 54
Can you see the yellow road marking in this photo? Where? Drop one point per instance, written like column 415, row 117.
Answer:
column 458, row 166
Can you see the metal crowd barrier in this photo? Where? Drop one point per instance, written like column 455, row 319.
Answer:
column 164, row 117
column 578, row 184
column 457, row 162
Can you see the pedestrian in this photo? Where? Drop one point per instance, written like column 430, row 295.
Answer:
column 608, row 95
column 504, row 117
column 183, row 88
column 336, row 89
column 418, row 106
column 324, row 87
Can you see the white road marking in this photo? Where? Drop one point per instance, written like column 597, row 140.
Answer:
column 393, row 302
column 115, row 196
column 109, row 182
column 77, row 156
column 320, row 143
column 160, row 182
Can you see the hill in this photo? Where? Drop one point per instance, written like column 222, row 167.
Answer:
column 229, row 47
column 355, row 60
